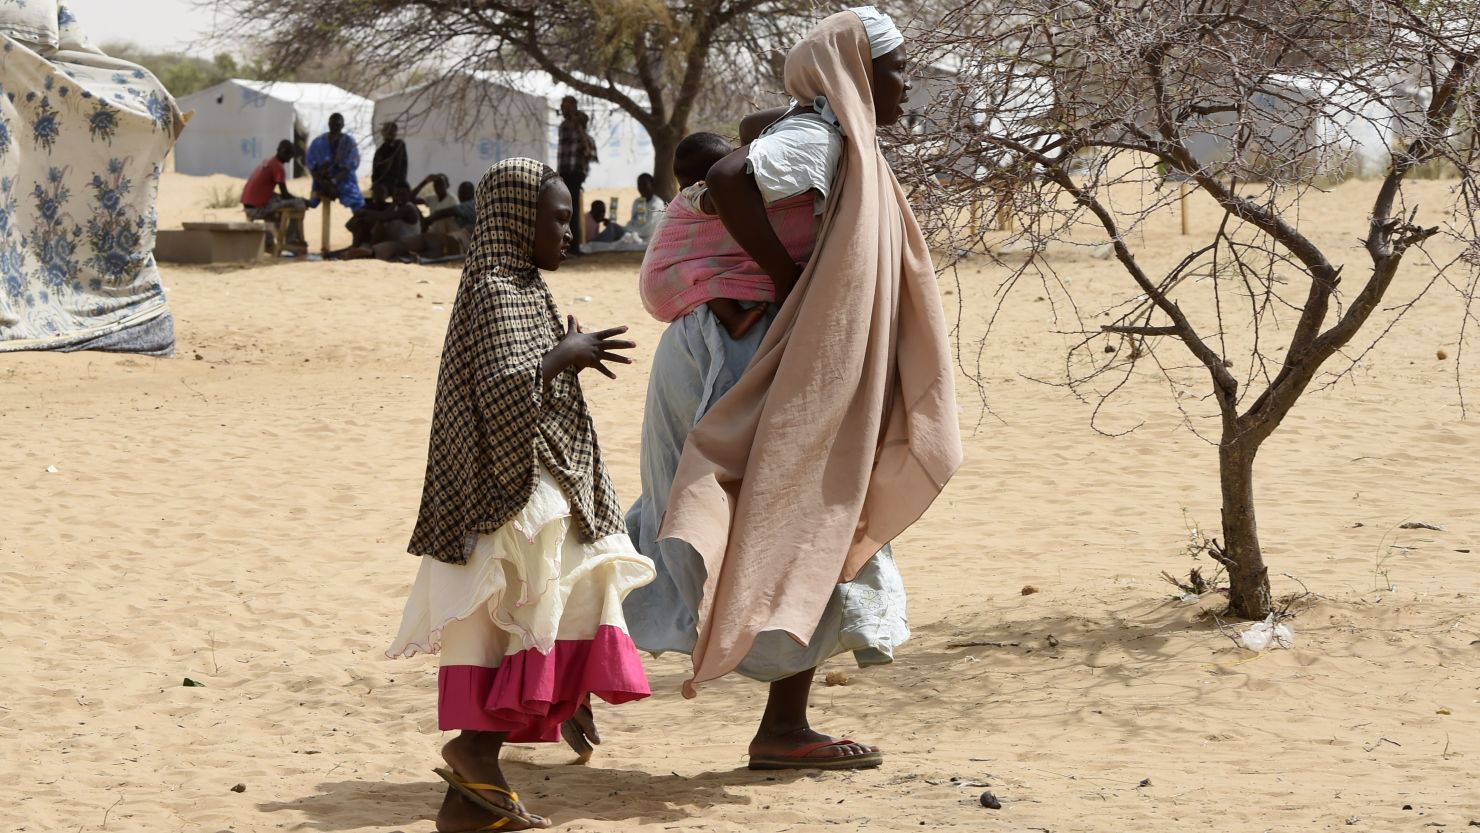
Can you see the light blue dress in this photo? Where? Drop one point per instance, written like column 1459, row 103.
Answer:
column 696, row 362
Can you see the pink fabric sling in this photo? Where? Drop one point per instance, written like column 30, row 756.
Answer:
column 693, row 259
column 843, row 429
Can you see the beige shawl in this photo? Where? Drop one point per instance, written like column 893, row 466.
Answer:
column 843, row 429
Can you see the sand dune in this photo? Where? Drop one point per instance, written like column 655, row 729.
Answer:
column 238, row 516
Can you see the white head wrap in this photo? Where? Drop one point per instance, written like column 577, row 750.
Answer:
column 883, row 36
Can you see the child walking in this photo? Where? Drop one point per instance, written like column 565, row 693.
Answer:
column 527, row 556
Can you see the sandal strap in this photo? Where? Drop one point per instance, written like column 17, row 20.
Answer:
column 803, row 752
column 492, row 788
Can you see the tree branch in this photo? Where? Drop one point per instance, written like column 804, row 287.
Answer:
column 1140, row 331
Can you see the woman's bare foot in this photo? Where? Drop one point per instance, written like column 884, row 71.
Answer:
column 802, row 747
column 473, row 756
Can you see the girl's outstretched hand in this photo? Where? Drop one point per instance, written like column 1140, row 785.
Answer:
column 580, row 350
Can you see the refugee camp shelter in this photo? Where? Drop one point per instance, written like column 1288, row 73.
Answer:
column 462, row 123
column 948, row 114
column 934, row 88
column 238, row 123
column 1301, row 127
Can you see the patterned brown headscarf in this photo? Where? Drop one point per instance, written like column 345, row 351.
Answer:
column 494, row 417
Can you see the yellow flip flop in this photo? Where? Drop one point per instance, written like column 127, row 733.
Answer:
column 505, row 814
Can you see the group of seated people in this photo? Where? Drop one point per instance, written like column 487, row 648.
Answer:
column 390, row 226
column 395, row 228
column 425, row 223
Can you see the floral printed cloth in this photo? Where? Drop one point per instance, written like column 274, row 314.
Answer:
column 33, row 21
column 82, row 139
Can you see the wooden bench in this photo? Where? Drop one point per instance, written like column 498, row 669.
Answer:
column 285, row 218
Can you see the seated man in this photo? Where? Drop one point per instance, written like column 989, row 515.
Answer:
column 599, row 227
column 455, row 221
column 380, row 229
column 646, row 209
column 439, row 199
column 259, row 201
column 362, row 223
column 334, row 161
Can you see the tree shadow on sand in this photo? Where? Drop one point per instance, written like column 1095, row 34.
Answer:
column 1145, row 633
column 564, row 794
column 347, row 805
column 1039, row 664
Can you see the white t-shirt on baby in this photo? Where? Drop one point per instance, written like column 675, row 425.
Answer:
column 796, row 154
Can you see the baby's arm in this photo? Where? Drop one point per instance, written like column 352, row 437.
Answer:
column 742, row 208
column 752, row 125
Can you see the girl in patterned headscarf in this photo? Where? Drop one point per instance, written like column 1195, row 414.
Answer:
column 528, row 558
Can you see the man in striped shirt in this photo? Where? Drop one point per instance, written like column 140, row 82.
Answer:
column 577, row 150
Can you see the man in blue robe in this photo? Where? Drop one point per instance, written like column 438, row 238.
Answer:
column 334, row 161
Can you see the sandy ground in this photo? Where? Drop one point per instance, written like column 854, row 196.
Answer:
column 238, row 516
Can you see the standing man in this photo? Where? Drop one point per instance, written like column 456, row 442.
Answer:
column 334, row 163
column 577, row 152
column 388, row 168
column 259, row 201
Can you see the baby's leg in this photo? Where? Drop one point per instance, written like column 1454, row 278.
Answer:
column 737, row 320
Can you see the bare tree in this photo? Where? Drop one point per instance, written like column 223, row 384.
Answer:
column 1059, row 104
column 664, row 48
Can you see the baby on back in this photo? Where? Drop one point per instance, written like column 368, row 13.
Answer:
column 693, row 260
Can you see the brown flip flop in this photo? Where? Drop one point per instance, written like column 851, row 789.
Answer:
column 801, row 758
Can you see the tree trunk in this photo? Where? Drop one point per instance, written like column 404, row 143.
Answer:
column 665, row 141
column 1248, row 594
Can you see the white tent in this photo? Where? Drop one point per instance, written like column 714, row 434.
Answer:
column 238, row 123
column 1329, row 125
column 947, row 112
column 462, row 124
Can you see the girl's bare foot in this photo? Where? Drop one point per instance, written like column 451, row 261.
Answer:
column 579, row 732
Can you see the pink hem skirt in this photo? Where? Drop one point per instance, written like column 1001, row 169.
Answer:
column 530, row 694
